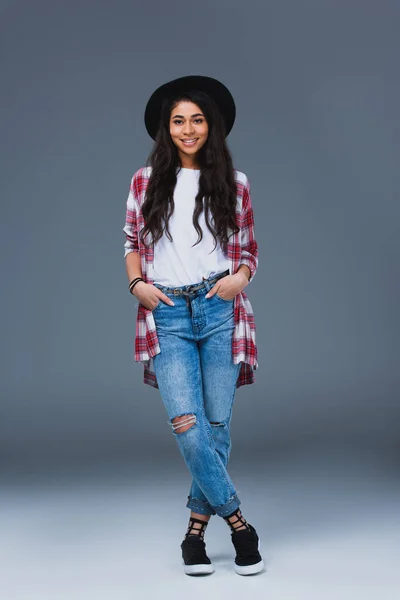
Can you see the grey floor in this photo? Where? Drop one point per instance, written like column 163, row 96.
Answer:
column 328, row 530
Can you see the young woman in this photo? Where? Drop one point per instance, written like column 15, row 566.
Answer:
column 190, row 251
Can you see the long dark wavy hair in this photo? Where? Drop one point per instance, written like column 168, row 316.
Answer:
column 217, row 185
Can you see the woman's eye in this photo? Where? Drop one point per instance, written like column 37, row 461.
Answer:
column 178, row 121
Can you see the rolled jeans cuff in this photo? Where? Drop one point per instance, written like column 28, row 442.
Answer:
column 204, row 508
column 229, row 507
column 199, row 506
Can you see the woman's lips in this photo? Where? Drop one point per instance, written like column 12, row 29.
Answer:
column 190, row 143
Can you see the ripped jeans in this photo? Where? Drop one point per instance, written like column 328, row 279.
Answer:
column 197, row 381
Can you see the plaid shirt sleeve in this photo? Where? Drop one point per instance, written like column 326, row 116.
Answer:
column 249, row 247
column 130, row 229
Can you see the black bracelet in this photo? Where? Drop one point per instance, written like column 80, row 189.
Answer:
column 136, row 279
column 134, row 282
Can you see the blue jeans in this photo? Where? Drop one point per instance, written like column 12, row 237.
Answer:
column 197, row 378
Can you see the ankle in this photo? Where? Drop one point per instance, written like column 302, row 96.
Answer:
column 196, row 527
column 236, row 521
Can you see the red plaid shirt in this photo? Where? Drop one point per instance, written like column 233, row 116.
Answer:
column 242, row 249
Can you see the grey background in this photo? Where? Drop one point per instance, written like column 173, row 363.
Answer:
column 317, row 133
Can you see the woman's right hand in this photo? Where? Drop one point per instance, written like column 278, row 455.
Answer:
column 149, row 295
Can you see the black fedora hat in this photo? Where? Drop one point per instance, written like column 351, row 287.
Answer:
column 214, row 88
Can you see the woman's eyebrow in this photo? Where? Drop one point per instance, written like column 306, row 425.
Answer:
column 181, row 116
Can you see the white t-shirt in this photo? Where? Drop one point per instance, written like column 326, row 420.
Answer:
column 177, row 263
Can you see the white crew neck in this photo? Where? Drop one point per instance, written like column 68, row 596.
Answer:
column 189, row 169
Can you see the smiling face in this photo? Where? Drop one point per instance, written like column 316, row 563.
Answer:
column 189, row 131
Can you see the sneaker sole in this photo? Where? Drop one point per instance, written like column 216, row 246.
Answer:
column 197, row 569
column 250, row 569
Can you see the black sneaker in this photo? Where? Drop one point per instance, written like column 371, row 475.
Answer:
column 248, row 559
column 194, row 558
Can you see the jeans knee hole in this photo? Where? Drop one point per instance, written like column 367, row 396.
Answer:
column 183, row 423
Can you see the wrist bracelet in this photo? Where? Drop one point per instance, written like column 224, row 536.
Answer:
column 134, row 282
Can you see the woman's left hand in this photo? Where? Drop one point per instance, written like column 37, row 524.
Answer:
column 229, row 286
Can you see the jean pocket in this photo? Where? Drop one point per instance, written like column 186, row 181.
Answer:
column 161, row 302
column 222, row 299
column 155, row 308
